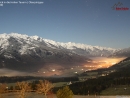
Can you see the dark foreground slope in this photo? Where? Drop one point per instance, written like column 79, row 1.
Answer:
column 113, row 80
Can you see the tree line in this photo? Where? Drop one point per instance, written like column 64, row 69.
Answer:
column 13, row 79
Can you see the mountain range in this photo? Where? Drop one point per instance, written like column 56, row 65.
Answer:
column 31, row 53
column 25, row 43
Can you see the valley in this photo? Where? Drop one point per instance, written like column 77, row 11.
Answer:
column 36, row 56
column 99, row 84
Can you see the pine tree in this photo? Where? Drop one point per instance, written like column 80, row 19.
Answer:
column 64, row 93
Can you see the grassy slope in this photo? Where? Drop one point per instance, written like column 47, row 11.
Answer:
column 119, row 90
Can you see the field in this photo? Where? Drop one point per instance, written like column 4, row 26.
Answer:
column 118, row 90
column 59, row 84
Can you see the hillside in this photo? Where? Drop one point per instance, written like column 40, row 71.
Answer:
column 121, row 64
column 119, row 78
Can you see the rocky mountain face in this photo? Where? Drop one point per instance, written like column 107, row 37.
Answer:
column 122, row 53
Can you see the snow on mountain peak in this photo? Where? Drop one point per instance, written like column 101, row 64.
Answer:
column 71, row 45
column 4, row 41
column 4, row 35
column 16, row 35
column 35, row 37
column 68, row 45
column 26, row 42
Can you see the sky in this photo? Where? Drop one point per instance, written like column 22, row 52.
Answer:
column 91, row 22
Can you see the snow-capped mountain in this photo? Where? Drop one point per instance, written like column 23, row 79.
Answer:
column 122, row 53
column 24, row 44
column 82, row 49
column 31, row 53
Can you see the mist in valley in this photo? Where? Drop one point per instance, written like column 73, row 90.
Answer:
column 56, row 70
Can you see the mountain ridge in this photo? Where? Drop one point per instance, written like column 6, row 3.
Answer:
column 24, row 53
column 73, row 47
column 34, row 54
